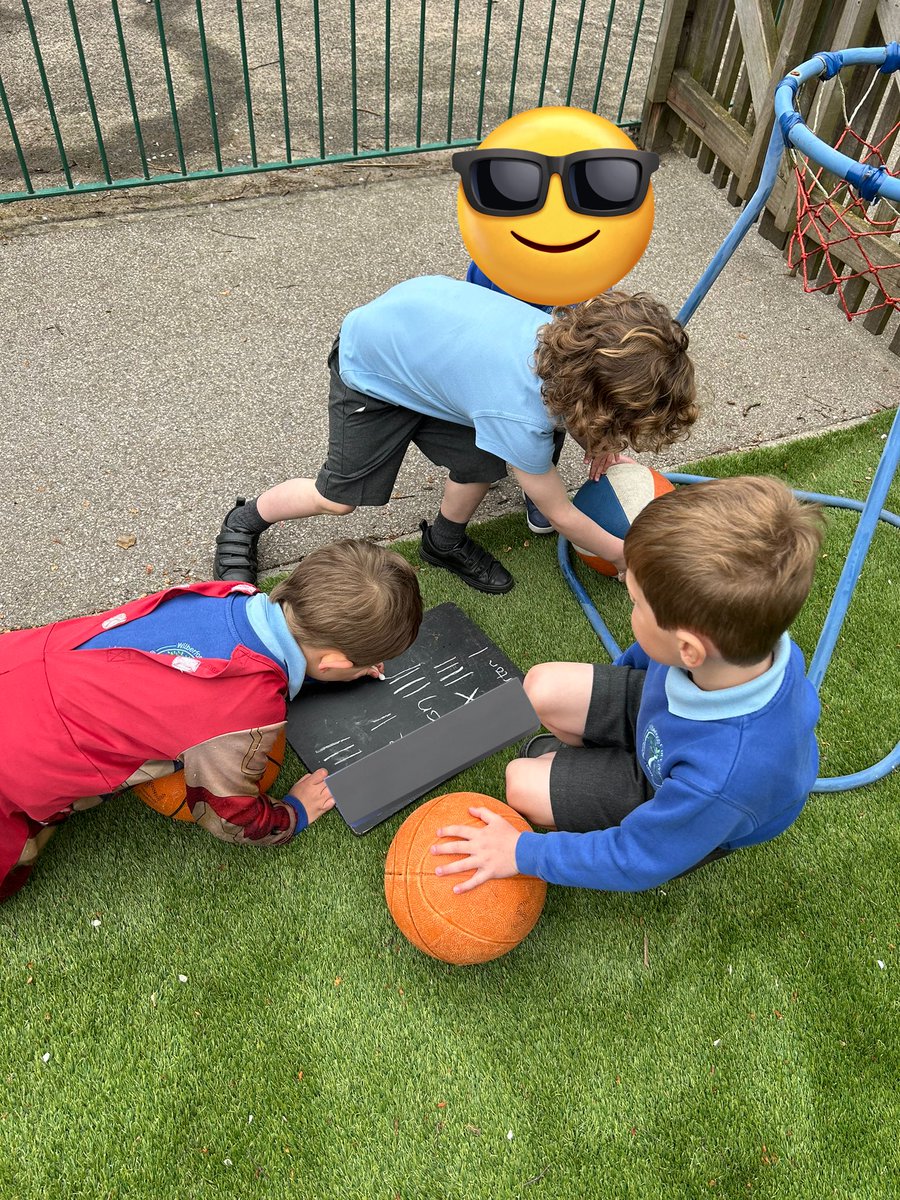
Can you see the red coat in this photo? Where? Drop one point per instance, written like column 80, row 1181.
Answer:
column 79, row 723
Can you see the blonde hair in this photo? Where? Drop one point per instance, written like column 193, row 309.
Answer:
column 732, row 559
column 355, row 597
column 617, row 371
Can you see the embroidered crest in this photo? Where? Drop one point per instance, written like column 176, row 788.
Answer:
column 652, row 755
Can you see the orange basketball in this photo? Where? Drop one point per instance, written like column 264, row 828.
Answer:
column 167, row 795
column 470, row 928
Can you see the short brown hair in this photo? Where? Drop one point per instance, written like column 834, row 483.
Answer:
column 616, row 369
column 353, row 596
column 732, row 559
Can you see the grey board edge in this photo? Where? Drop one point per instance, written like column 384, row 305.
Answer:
column 423, row 759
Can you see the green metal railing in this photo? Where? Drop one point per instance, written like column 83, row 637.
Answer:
column 163, row 93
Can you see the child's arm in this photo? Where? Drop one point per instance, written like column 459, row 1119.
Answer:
column 548, row 492
column 222, row 789
column 663, row 837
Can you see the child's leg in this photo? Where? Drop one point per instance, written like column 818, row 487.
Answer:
column 367, row 441
column 595, row 780
column 472, row 471
column 461, row 500
column 297, row 498
column 446, row 543
column 561, row 694
column 528, row 789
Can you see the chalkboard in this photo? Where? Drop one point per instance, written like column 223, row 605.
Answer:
column 450, row 700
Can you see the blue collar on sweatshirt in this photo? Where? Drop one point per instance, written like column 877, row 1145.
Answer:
column 688, row 701
column 268, row 623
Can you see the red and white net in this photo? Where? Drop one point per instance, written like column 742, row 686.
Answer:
column 841, row 242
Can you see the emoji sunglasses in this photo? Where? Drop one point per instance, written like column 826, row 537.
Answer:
column 514, row 183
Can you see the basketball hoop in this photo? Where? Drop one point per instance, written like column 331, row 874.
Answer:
column 846, row 239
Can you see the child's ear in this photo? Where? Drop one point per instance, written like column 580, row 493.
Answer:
column 692, row 648
column 333, row 660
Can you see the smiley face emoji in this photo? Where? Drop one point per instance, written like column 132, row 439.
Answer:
column 555, row 206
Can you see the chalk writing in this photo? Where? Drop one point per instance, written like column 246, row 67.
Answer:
column 452, row 664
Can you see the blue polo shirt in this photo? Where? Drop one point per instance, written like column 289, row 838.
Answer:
column 460, row 353
column 188, row 625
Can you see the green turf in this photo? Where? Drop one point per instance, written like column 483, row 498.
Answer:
column 312, row 1052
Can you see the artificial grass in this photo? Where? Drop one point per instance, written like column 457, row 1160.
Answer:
column 311, row 1052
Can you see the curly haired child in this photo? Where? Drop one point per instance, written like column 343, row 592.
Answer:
column 477, row 379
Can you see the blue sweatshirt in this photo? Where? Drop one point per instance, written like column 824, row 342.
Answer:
column 731, row 768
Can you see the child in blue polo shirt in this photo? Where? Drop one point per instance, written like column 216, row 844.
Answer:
column 477, row 379
column 699, row 739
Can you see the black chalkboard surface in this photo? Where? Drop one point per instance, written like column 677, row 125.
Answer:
column 452, row 699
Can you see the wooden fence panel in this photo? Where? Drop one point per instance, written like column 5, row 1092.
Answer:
column 712, row 85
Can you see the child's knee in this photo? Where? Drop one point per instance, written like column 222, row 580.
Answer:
column 335, row 508
column 517, row 777
column 540, row 687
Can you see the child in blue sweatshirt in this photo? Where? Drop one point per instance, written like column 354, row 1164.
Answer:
column 699, row 739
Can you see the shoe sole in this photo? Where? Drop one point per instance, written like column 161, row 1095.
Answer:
column 490, row 589
column 545, row 743
column 539, row 528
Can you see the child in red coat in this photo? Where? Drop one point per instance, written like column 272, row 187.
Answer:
column 196, row 677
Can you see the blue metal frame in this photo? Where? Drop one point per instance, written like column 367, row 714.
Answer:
column 789, row 129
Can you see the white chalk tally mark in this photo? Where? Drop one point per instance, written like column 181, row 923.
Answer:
column 328, row 745
column 405, row 671
column 379, row 721
column 340, row 762
column 410, row 683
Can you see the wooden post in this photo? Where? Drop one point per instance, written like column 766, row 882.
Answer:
column 653, row 133
column 793, row 44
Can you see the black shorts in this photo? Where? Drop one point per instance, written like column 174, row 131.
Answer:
column 596, row 786
column 368, row 439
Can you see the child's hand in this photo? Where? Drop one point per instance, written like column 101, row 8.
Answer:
column 601, row 463
column 490, row 850
column 313, row 794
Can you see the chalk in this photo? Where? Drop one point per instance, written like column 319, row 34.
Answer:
column 380, row 676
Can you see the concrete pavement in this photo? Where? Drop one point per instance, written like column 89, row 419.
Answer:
column 158, row 362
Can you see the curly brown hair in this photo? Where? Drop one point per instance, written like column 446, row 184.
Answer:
column 617, row 371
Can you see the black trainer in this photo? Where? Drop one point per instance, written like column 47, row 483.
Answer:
column 471, row 562
column 236, row 558
column 541, row 743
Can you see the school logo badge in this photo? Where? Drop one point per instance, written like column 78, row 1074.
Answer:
column 652, row 755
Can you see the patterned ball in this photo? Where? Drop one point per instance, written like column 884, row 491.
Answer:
column 614, row 500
